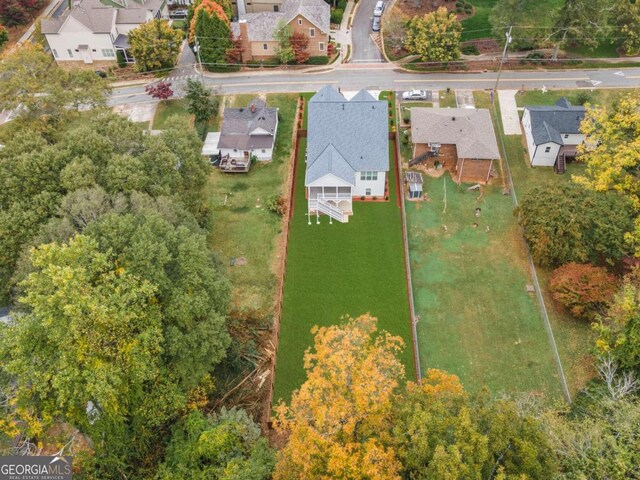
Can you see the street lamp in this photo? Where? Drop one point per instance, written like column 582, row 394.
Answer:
column 504, row 55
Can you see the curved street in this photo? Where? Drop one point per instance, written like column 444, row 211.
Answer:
column 364, row 48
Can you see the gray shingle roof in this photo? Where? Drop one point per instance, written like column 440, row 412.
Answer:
column 98, row 17
column 261, row 26
column 548, row 123
column 470, row 130
column 239, row 123
column 357, row 131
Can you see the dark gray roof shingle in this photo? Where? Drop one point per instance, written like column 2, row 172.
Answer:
column 248, row 128
column 548, row 123
column 357, row 130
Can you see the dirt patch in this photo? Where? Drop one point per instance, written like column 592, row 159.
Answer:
column 484, row 45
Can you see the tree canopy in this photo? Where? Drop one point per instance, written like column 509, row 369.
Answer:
column 567, row 223
column 435, row 37
column 155, row 45
column 210, row 27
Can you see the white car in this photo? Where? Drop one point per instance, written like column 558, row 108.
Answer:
column 377, row 11
column 414, row 95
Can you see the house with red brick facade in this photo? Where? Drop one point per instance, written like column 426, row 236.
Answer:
column 257, row 30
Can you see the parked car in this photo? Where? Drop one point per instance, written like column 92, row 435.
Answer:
column 376, row 24
column 414, row 95
column 181, row 13
column 377, row 11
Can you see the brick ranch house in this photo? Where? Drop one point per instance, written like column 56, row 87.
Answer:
column 257, row 30
column 91, row 32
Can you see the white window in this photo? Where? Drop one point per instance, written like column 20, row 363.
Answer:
column 547, row 149
column 55, row 53
column 367, row 192
column 312, row 32
column 265, row 46
column 368, row 175
column 108, row 52
column 299, row 21
column 321, row 46
column 70, row 53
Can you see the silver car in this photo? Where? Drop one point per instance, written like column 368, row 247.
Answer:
column 414, row 95
column 376, row 24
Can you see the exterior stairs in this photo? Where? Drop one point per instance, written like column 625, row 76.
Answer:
column 331, row 211
column 421, row 158
column 561, row 164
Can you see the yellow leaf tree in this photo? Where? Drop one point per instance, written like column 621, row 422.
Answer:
column 434, row 36
column 339, row 422
column 612, row 152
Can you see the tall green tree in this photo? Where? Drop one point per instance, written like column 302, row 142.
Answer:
column 567, row 223
column 224, row 446
column 531, row 28
column 155, row 45
column 282, row 35
column 626, row 15
column 36, row 89
column 202, row 104
column 584, row 22
column 210, row 27
column 435, row 37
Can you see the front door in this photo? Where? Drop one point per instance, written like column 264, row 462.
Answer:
column 85, row 54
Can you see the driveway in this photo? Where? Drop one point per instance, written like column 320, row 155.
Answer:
column 509, row 112
column 364, row 48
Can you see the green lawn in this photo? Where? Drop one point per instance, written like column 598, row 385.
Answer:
column 604, row 50
column 476, row 318
column 596, row 96
column 341, row 269
column 243, row 227
column 167, row 109
column 448, row 99
column 574, row 339
column 478, row 26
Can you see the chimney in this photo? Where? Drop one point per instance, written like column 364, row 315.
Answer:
column 244, row 40
column 253, row 108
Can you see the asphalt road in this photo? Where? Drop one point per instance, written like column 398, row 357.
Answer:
column 388, row 77
column 364, row 49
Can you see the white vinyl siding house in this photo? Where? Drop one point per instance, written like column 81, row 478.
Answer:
column 92, row 31
column 347, row 152
column 553, row 133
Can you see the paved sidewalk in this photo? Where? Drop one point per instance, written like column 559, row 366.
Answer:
column 509, row 112
column 464, row 99
column 343, row 34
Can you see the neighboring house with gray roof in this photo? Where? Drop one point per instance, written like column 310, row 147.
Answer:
column 246, row 132
column 470, row 131
column 92, row 31
column 553, row 133
column 347, row 151
column 257, row 30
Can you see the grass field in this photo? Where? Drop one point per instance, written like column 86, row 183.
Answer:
column 243, row 227
column 448, row 99
column 604, row 50
column 574, row 339
column 596, row 96
column 478, row 26
column 476, row 318
column 341, row 269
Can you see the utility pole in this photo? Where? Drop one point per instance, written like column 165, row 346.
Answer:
column 504, row 55
column 196, row 48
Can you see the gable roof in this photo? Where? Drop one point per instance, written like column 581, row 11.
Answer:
column 99, row 17
column 239, row 126
column 548, row 123
column 345, row 137
column 262, row 25
column 470, row 130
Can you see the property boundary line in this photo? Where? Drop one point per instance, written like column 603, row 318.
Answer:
column 532, row 267
column 405, row 243
column 277, row 311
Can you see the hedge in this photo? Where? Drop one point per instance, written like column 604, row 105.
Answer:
column 318, row 60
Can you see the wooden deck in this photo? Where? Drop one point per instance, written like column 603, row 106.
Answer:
column 234, row 165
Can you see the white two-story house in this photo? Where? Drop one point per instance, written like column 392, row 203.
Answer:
column 553, row 133
column 91, row 32
column 347, row 151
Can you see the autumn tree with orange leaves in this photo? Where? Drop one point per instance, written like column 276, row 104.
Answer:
column 209, row 25
column 354, row 420
column 339, row 421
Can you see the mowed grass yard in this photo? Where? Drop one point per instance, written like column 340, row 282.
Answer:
column 338, row 270
column 476, row 318
column 573, row 338
column 242, row 225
